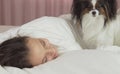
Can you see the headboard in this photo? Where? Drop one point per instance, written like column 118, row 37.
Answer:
column 18, row 12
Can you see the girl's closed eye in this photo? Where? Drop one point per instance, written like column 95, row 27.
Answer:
column 42, row 42
column 45, row 43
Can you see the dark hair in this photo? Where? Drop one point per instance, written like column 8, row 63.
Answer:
column 13, row 52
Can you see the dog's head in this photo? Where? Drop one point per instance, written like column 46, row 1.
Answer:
column 107, row 8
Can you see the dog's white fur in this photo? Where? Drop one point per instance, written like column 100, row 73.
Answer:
column 93, row 2
column 95, row 34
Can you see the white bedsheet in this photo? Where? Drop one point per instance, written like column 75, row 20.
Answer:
column 75, row 62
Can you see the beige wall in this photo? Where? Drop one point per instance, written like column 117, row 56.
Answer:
column 17, row 12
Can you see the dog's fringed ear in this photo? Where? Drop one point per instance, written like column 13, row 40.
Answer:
column 73, row 8
column 112, row 8
column 77, row 8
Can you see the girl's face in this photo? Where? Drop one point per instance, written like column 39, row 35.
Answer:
column 41, row 51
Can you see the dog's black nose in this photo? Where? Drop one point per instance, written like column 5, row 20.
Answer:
column 93, row 12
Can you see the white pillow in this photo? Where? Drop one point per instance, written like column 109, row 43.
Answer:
column 56, row 30
column 8, row 34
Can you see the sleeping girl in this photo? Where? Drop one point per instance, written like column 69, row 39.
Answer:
column 26, row 52
column 36, row 42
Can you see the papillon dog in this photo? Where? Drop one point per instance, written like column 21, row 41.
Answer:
column 96, row 22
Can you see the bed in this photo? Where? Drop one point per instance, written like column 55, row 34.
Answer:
column 99, row 61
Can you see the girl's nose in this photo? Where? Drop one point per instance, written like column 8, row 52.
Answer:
column 50, row 57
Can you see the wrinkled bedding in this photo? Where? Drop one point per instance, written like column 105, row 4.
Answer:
column 75, row 62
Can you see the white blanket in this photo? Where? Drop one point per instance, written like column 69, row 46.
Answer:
column 75, row 62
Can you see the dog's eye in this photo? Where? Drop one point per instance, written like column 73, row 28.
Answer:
column 89, row 6
column 100, row 5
